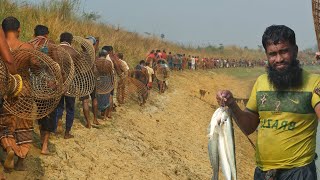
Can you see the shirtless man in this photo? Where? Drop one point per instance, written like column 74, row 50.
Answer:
column 9, row 61
column 15, row 142
column 47, row 124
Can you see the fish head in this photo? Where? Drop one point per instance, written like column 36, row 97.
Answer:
column 215, row 122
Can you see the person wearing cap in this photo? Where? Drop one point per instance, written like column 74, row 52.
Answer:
column 116, row 69
column 85, row 99
column 110, row 57
column 104, row 99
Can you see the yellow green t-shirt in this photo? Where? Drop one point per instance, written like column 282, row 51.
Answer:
column 288, row 123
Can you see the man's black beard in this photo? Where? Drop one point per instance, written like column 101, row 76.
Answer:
column 286, row 79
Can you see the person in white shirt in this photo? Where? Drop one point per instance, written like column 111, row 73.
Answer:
column 150, row 74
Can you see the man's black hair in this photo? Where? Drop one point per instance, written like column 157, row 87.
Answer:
column 142, row 62
column 10, row 24
column 66, row 37
column 103, row 53
column 120, row 56
column 41, row 30
column 108, row 48
column 276, row 33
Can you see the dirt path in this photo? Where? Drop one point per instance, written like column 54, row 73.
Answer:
column 165, row 139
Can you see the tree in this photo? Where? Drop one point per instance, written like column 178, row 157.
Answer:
column 221, row 47
column 162, row 36
column 91, row 16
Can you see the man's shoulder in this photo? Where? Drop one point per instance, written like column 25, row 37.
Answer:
column 26, row 46
column 309, row 75
column 263, row 78
column 310, row 79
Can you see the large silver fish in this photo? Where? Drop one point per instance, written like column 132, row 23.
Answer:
column 221, row 144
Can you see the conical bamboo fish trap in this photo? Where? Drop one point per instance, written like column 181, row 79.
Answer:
column 62, row 57
column 162, row 72
column 316, row 19
column 9, row 84
column 85, row 49
column 41, row 87
column 84, row 80
column 104, row 76
column 131, row 89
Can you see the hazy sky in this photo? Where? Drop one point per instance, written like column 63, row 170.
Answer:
column 239, row 22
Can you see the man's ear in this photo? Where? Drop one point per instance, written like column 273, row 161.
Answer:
column 296, row 50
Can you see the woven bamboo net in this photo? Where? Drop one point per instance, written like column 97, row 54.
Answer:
column 85, row 49
column 10, row 85
column 131, row 89
column 162, row 72
column 63, row 58
column 104, row 76
column 41, row 87
column 316, row 19
column 84, row 80
column 4, row 79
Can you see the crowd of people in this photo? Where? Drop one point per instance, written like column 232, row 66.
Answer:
column 182, row 61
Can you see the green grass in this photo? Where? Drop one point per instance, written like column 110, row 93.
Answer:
column 253, row 73
column 242, row 73
column 312, row 69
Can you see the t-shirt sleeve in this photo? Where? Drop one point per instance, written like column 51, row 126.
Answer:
column 252, row 102
column 316, row 93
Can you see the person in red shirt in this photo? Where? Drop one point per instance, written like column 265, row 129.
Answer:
column 164, row 54
column 151, row 57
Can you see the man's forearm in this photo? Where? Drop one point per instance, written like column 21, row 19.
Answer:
column 247, row 121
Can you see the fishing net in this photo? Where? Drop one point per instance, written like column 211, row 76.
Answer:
column 131, row 88
column 41, row 85
column 162, row 72
column 316, row 19
column 141, row 75
column 63, row 58
column 104, row 76
column 9, row 84
column 86, row 50
column 83, row 58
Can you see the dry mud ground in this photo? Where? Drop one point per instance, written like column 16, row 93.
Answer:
column 165, row 139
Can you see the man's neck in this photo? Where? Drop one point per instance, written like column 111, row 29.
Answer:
column 13, row 41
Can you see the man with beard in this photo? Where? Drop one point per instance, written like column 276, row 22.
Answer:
column 284, row 105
